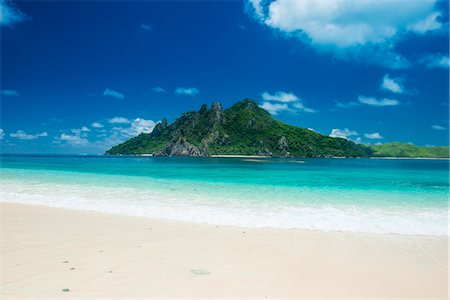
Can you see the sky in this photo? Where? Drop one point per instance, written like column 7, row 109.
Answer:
column 82, row 76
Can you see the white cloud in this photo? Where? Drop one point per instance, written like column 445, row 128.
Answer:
column 119, row 120
column 2, row 134
column 140, row 125
column 364, row 30
column 10, row 14
column 22, row 135
column 438, row 127
column 290, row 102
column 301, row 107
column 274, row 108
column 279, row 96
column 80, row 131
column 105, row 136
column 112, row 93
column 429, row 23
column 97, row 125
column 159, row 89
column 146, row 27
column 189, row 91
column 74, row 139
column 373, row 136
column 391, row 84
column 257, row 9
column 343, row 133
column 9, row 92
column 433, row 61
column 118, row 134
column 378, row 102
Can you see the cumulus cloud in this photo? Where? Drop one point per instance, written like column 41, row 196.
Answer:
column 117, row 135
column 279, row 96
column 438, row 127
column 432, row 61
column 9, row 92
column 392, row 84
column 97, row 125
column 159, row 89
column 119, row 120
column 274, row 108
column 298, row 106
column 22, row 135
column 189, row 91
column 112, row 93
column 116, row 131
column 365, row 30
column 10, row 14
column 73, row 139
column 137, row 126
column 428, row 23
column 373, row 136
column 289, row 102
column 372, row 101
column 140, row 125
column 343, row 133
column 2, row 134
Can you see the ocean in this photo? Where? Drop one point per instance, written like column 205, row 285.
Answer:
column 351, row 195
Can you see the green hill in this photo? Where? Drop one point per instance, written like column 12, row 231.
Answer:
column 243, row 129
column 408, row 150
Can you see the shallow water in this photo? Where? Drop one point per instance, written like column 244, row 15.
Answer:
column 357, row 195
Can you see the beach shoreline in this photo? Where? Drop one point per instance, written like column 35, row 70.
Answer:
column 48, row 250
column 333, row 157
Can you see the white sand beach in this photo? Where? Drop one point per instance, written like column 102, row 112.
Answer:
column 50, row 253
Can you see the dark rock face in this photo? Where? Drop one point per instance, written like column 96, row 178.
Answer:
column 180, row 147
column 216, row 113
column 159, row 128
column 283, row 146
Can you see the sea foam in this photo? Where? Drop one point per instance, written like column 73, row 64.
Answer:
column 177, row 201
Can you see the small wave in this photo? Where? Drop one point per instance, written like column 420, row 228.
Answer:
column 180, row 206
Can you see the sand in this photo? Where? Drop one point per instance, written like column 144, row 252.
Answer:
column 51, row 253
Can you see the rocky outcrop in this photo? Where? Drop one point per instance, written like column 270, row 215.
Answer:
column 216, row 114
column 181, row 147
column 283, row 146
column 159, row 128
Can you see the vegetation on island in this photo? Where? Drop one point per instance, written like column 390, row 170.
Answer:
column 408, row 150
column 243, row 129
column 247, row 129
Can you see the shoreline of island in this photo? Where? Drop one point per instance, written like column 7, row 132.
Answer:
column 47, row 250
column 289, row 157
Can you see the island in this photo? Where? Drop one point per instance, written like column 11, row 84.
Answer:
column 245, row 129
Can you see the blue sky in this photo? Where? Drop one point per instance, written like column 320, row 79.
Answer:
column 82, row 76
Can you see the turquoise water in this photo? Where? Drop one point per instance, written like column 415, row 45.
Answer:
column 358, row 195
